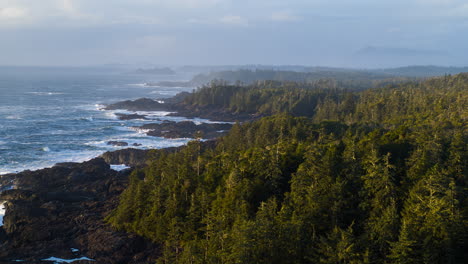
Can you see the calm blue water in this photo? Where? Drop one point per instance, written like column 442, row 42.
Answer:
column 50, row 115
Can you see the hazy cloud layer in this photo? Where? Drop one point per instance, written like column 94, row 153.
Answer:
column 312, row 32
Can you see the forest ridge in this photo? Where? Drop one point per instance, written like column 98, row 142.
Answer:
column 323, row 175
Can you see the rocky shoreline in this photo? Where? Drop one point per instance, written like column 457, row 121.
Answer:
column 175, row 107
column 60, row 212
column 54, row 210
column 186, row 129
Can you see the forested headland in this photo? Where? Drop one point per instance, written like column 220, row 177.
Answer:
column 324, row 174
column 350, row 78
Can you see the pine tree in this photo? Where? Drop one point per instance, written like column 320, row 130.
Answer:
column 432, row 219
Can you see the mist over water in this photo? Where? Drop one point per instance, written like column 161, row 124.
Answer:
column 50, row 115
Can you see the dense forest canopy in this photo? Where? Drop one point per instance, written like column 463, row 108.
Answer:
column 328, row 176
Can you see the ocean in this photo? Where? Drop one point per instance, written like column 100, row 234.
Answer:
column 50, row 115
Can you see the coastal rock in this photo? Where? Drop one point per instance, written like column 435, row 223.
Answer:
column 64, row 207
column 178, row 98
column 130, row 157
column 186, row 129
column 142, row 104
column 130, row 116
column 146, row 104
column 214, row 114
column 117, row 143
column 12, row 195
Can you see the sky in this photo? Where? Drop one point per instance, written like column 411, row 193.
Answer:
column 339, row 33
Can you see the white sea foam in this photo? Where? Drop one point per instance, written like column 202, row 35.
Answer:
column 60, row 260
column 91, row 107
column 141, row 131
column 119, row 167
column 168, row 92
column 99, row 107
column 111, row 114
column 50, row 159
column 13, row 117
column 154, row 113
column 89, row 118
column 74, row 250
column 138, row 84
column 45, row 93
column 139, row 140
column 136, row 138
column 2, row 212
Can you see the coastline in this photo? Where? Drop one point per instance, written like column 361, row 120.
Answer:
column 68, row 203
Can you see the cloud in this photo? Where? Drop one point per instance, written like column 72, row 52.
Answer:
column 179, row 4
column 12, row 13
column 234, row 20
column 284, row 16
column 68, row 6
column 148, row 48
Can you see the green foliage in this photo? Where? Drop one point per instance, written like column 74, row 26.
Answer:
column 385, row 182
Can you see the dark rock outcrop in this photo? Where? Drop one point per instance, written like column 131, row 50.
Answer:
column 215, row 114
column 130, row 116
column 117, row 143
column 142, row 104
column 130, row 157
column 64, row 207
column 186, row 129
column 178, row 98
column 179, row 107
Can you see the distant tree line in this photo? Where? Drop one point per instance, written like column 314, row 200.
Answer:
column 350, row 79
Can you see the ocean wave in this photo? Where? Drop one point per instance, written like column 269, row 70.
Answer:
column 111, row 115
column 91, row 107
column 138, row 84
column 154, row 113
column 90, row 118
column 50, row 159
column 2, row 212
column 139, row 130
column 45, row 93
column 119, row 167
column 60, row 260
column 165, row 92
column 13, row 117
column 45, row 149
